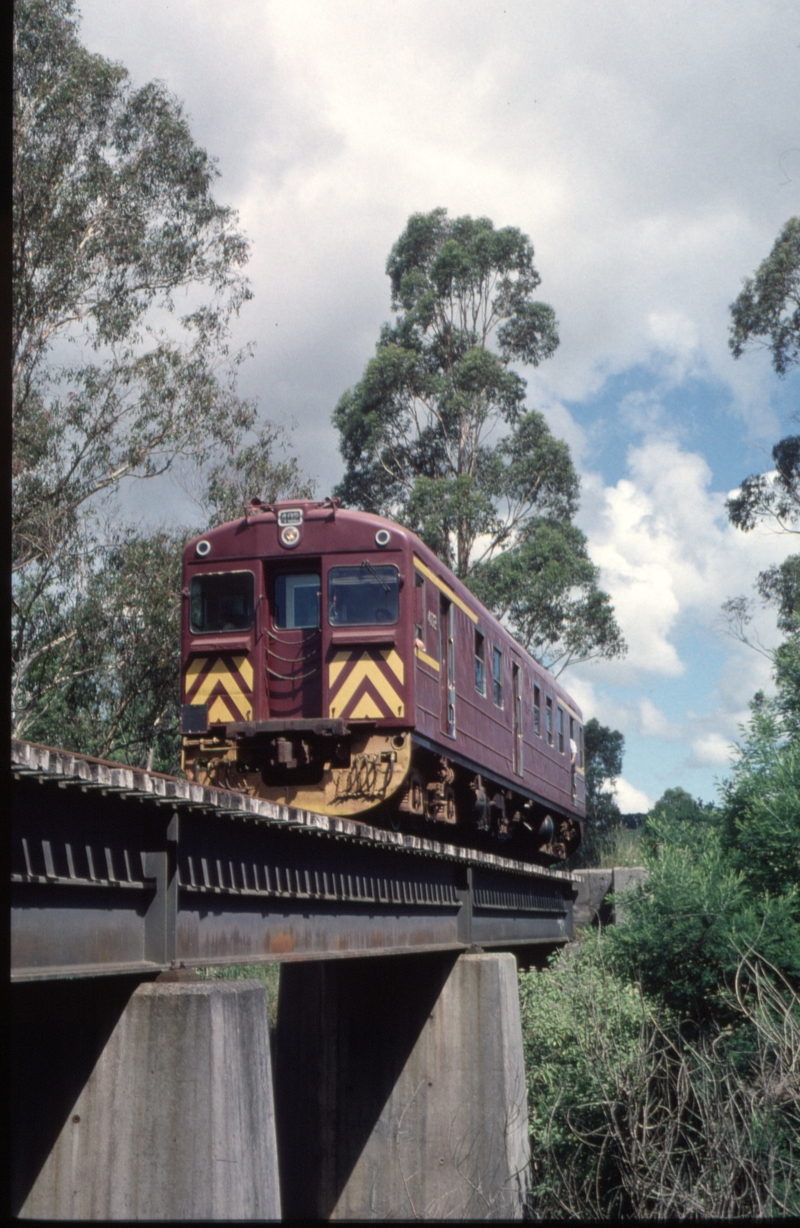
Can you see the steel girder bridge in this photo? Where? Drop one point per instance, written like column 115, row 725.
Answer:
column 120, row 870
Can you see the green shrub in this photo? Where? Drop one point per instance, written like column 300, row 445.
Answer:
column 560, row 1008
column 761, row 820
column 718, row 885
column 629, row 1119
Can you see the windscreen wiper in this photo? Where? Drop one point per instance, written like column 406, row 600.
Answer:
column 366, row 563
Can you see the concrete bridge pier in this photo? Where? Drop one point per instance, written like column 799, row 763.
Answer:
column 400, row 1088
column 142, row 1101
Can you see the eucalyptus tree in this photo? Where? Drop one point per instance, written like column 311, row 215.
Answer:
column 127, row 276
column 437, row 434
column 126, row 273
column 766, row 315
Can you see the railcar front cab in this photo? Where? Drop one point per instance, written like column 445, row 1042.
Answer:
column 294, row 679
column 299, row 635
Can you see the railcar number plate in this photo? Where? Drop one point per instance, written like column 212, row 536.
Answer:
column 291, row 515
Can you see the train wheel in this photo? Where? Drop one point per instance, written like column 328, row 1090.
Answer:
column 449, row 811
column 413, row 802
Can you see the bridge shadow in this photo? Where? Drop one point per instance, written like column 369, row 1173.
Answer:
column 58, row 1030
column 346, row 1029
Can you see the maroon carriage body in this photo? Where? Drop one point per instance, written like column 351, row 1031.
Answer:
column 330, row 660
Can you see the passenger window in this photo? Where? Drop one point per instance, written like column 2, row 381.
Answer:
column 480, row 663
column 497, row 677
column 297, row 598
column 537, row 711
column 223, row 601
column 560, row 730
column 548, row 716
column 363, row 595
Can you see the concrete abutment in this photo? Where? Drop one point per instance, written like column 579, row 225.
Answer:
column 156, row 1103
column 400, row 1088
column 399, row 1093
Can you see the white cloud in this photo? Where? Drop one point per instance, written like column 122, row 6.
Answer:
column 643, row 148
column 713, row 750
column 653, row 722
column 667, row 553
column 632, row 800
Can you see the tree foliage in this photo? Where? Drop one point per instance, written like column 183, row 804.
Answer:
column 760, row 830
column 127, row 274
column 116, row 232
column 679, row 805
column 767, row 311
column 603, row 751
column 437, row 435
column 767, row 314
column 773, row 497
column 261, row 466
column 546, row 588
column 107, row 682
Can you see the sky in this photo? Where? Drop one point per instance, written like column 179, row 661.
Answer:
column 651, row 152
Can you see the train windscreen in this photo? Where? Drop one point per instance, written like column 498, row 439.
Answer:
column 360, row 596
column 222, row 601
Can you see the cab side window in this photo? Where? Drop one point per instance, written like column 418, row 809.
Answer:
column 419, row 607
column 537, row 711
column 480, row 663
column 497, row 677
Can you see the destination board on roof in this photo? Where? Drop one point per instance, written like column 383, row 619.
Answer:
column 291, row 515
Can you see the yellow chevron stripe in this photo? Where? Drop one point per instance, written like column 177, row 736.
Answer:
column 336, row 666
column 367, row 668
column 218, row 712
column 246, row 670
column 446, row 589
column 194, row 669
column 197, row 666
column 219, row 674
column 366, row 709
column 395, row 662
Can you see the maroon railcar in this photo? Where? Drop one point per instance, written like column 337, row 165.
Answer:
column 330, row 661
